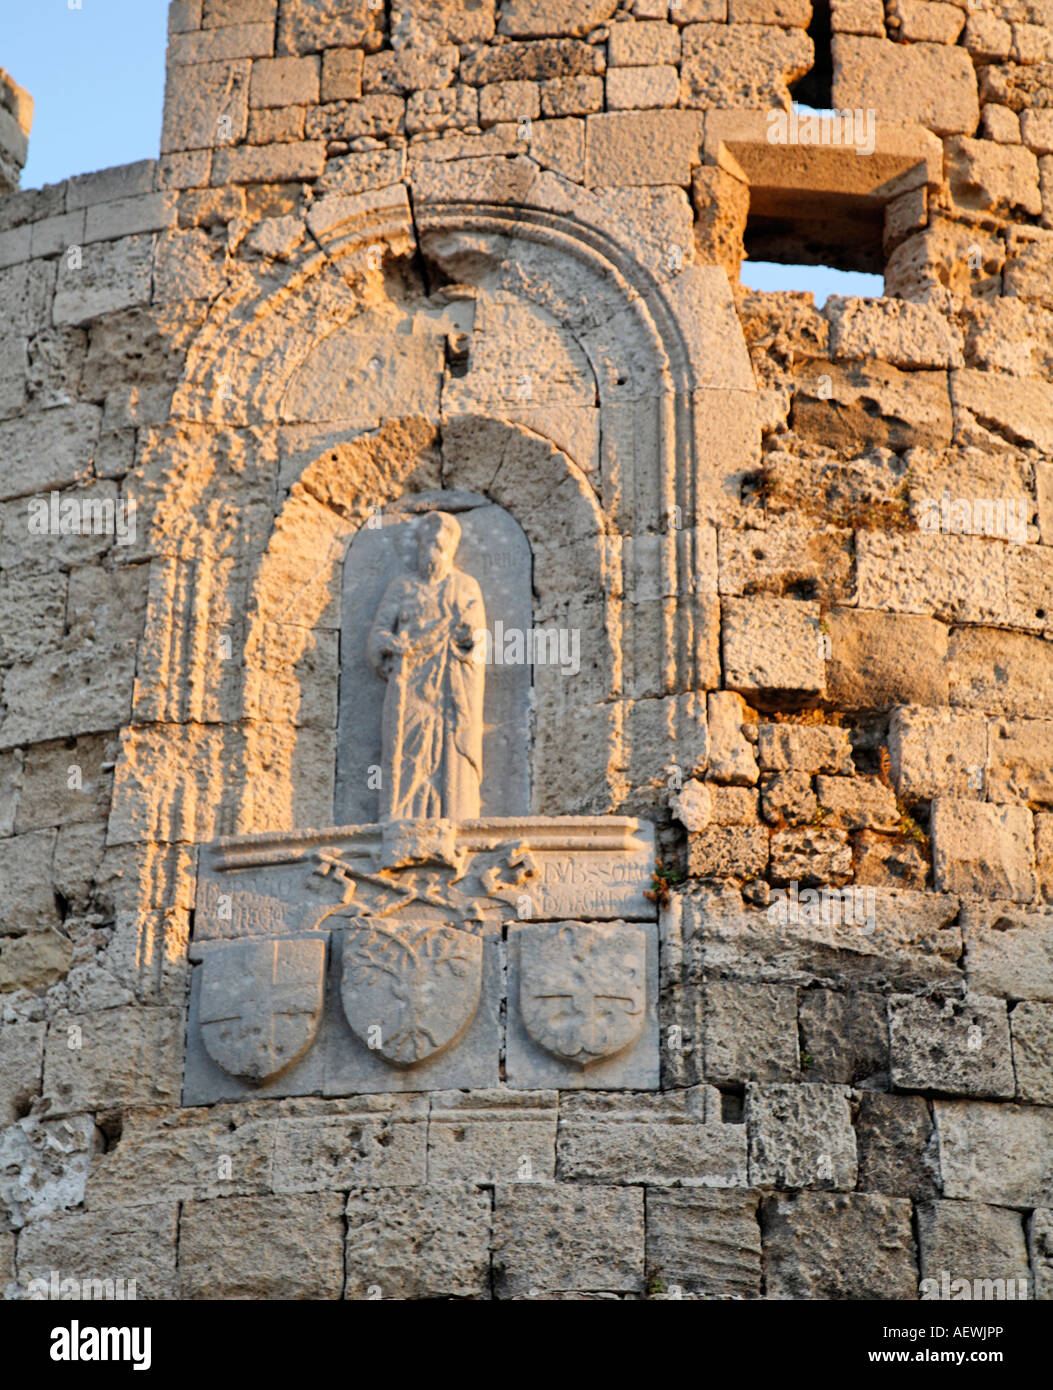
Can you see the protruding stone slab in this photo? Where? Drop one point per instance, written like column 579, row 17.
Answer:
column 583, row 1006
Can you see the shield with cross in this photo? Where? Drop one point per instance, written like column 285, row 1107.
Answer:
column 261, row 1002
column 583, row 988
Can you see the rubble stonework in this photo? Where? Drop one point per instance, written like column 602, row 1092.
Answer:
column 482, row 259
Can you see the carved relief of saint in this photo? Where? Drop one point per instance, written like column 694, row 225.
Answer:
column 424, row 642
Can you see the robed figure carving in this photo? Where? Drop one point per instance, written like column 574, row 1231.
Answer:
column 427, row 643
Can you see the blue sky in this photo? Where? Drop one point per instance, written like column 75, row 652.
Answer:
column 95, row 69
column 97, row 75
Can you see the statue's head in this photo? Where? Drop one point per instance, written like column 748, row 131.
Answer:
column 438, row 537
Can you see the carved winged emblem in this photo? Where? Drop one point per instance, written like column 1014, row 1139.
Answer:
column 410, row 991
column 582, row 988
column 261, row 1002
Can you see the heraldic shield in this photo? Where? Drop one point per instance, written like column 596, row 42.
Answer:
column 583, row 988
column 409, row 992
column 261, row 1003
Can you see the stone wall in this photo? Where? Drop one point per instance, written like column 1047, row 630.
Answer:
column 426, row 244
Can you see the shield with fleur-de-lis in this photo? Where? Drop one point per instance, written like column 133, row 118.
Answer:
column 582, row 988
column 410, row 991
column 260, row 1005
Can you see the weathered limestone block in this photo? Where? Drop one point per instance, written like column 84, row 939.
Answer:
column 787, row 798
column 995, row 1153
column 27, row 902
column 728, row 850
column 811, row 855
column 527, row 19
column 889, row 862
column 112, row 275
column 937, row 753
column 834, row 407
column 1040, row 1247
column 1011, row 407
column 731, row 756
column 25, row 296
column 843, row 1037
column 929, row 20
column 966, row 1240
column 929, row 83
column 746, row 65
column 994, row 178
column 1001, row 672
column 537, row 61
column 857, row 803
column 1044, row 854
column 149, row 212
column 68, row 693
column 170, row 1155
column 982, row 849
column 914, row 941
column 703, row 1244
column 692, row 805
column 206, row 104
column 896, row 1142
column 276, row 163
column 629, row 148
column 804, row 748
column 772, row 645
column 365, row 1140
column 1032, row 1025
column 1028, row 262
column 784, row 559
column 37, row 461
column 561, row 1239
column 721, row 204
column 44, row 1166
column 858, row 17
column 967, row 260
column 100, row 1248
column 21, row 1068
column 492, row 1136
column 1020, row 754
column 411, row 1243
column 733, row 805
column 641, row 89
column 956, row 1046
column 262, row 1247
column 448, row 109
column 1009, row 950
column 126, row 1056
column 838, row 1245
column 343, row 73
column 653, row 1139
column 800, row 1136
column 987, row 37
column 38, row 958
column 956, row 578
column 66, row 783
column 310, row 26
column 284, row 82
column 572, row 96
column 749, row 1032
column 893, row 331
column 643, row 44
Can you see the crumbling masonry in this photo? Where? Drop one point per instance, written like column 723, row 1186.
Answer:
column 490, row 249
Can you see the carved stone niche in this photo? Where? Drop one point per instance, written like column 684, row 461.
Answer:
column 373, row 955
